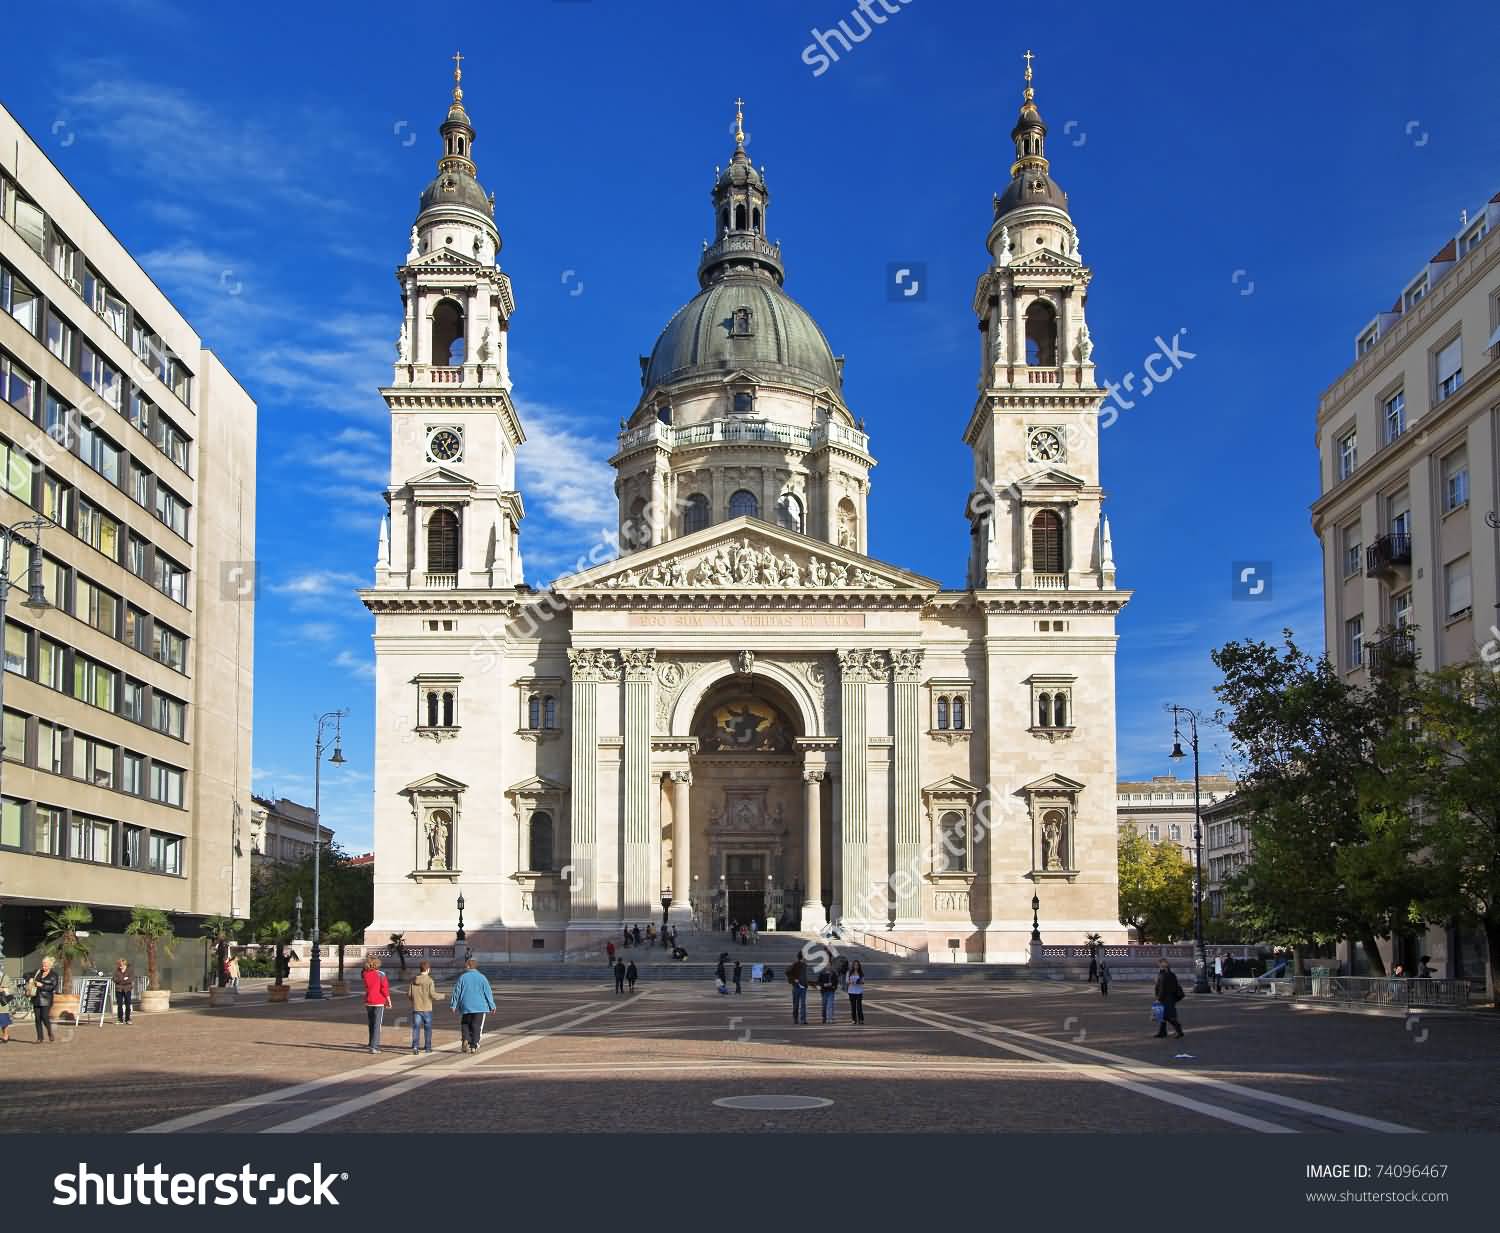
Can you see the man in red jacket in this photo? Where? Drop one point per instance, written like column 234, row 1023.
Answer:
column 377, row 998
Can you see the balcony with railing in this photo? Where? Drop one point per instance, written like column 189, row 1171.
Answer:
column 1386, row 553
column 1393, row 650
column 1050, row 582
column 740, row 430
column 1044, row 376
column 440, row 582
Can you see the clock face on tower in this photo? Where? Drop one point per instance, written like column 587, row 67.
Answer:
column 445, row 444
column 1045, row 445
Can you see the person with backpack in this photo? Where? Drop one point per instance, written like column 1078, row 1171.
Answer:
column 377, row 999
column 796, row 976
column 828, row 986
column 1168, row 994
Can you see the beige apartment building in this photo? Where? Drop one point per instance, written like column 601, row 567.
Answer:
column 1160, row 809
column 127, row 700
column 281, row 832
column 1408, row 443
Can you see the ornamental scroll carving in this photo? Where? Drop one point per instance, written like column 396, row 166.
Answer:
column 640, row 664
column 590, row 664
column 907, row 664
column 863, row 665
column 744, row 565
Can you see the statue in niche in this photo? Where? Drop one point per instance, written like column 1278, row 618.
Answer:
column 437, row 840
column 1052, row 839
column 403, row 343
column 744, row 816
column 1085, row 343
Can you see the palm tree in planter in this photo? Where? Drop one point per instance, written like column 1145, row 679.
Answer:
column 222, row 931
column 340, row 934
column 65, row 938
column 278, row 933
column 154, row 930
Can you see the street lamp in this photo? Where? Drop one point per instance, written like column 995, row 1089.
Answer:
column 1036, row 925
column 666, row 904
column 461, row 936
column 315, row 970
column 1179, row 714
column 297, row 933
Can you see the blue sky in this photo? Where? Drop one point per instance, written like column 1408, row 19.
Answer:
column 1264, row 179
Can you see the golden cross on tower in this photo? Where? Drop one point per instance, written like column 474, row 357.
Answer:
column 739, row 122
column 1028, row 58
column 458, row 67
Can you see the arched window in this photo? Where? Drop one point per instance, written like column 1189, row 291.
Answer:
column 1047, row 542
column 448, row 709
column 1044, row 711
column 848, row 525
column 695, row 514
column 757, row 218
column 1060, row 711
column 958, row 714
column 739, row 217
column 942, row 714
column 549, row 712
column 637, row 534
column 1041, row 335
column 432, row 709
column 534, row 711
column 442, row 542
column 447, row 333
column 541, row 841
column 724, row 218
column 953, row 843
column 789, row 512
column 744, row 505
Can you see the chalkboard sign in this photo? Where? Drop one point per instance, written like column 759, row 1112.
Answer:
column 93, row 998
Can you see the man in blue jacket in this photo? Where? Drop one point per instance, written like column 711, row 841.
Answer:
column 471, row 999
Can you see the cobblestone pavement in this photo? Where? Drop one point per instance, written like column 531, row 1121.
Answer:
column 931, row 1057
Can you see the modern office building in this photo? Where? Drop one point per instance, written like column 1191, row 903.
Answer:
column 127, row 700
column 1409, row 437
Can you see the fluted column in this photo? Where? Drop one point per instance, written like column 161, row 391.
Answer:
column 587, row 668
column 682, row 857
column 638, row 894
column 907, row 887
column 857, row 668
column 813, row 912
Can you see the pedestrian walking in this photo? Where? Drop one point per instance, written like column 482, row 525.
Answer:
column 377, row 999
column 721, row 972
column 636, row 934
column 631, row 972
column 828, row 986
column 124, row 984
column 6, row 998
column 1104, row 977
column 1093, row 966
column 41, row 988
column 796, row 975
column 1168, row 994
column 609, row 954
column 737, row 976
column 234, row 972
column 471, row 998
column 1219, row 972
column 421, row 991
column 619, row 976
column 856, row 988
column 754, row 933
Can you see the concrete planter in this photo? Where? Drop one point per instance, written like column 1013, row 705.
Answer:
column 65, row 1008
column 223, row 996
column 153, row 1000
column 278, row 993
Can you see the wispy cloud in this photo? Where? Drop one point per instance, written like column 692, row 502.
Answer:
column 569, row 488
column 363, row 669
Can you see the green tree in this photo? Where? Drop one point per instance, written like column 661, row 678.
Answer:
column 1454, row 772
column 221, row 931
column 152, row 928
column 1156, row 888
column 61, row 940
column 1335, row 848
column 346, row 890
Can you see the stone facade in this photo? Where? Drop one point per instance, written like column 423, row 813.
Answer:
column 745, row 715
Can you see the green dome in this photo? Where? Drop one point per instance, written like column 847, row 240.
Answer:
column 703, row 338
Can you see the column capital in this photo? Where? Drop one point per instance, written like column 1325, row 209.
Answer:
column 814, row 776
column 906, row 663
column 682, row 776
column 863, row 664
column 593, row 664
column 639, row 662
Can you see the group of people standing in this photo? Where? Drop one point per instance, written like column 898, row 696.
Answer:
column 471, row 1000
column 41, row 990
column 831, row 976
column 744, row 933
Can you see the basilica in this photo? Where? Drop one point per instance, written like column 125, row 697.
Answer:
column 743, row 714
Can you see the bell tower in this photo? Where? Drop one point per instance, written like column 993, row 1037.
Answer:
column 1035, row 513
column 454, row 512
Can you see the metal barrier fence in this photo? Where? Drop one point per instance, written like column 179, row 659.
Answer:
column 1372, row 991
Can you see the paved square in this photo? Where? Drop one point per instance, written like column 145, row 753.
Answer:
column 932, row 1056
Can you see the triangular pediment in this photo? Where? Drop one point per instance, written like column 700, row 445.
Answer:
column 445, row 258
column 1054, row 783
column 1052, row 477
column 746, row 554
column 440, row 477
column 1045, row 261
column 741, row 376
column 433, row 784
column 537, row 785
column 951, row 785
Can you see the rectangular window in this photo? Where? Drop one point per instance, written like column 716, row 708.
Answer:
column 18, row 387
column 47, row 830
column 93, row 761
column 1354, row 551
column 98, row 529
column 17, row 471
column 131, row 839
column 170, row 578
column 1450, row 369
column 32, row 225
column 181, row 381
column 1415, row 292
column 100, row 608
column 133, row 773
column 137, row 629
column 1354, row 637
column 1455, row 480
column 139, row 410
column 59, row 338
column 1153, row 832
column 1395, row 416
column 50, row 664
column 16, row 640
column 93, row 682
column 90, row 839
column 1348, row 454
column 137, row 557
column 1459, row 588
column 14, row 739
column 101, row 376
column 10, row 823
column 140, row 485
column 166, row 853
column 19, row 299
column 1174, row 832
column 1401, row 610
column 166, row 784
column 49, row 747
column 1398, row 507
column 98, row 451
column 1471, row 238
column 133, row 701
column 170, row 439
column 57, row 419
column 63, row 257
column 1366, row 341
column 171, row 648
column 57, row 501
column 171, row 509
column 168, row 715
